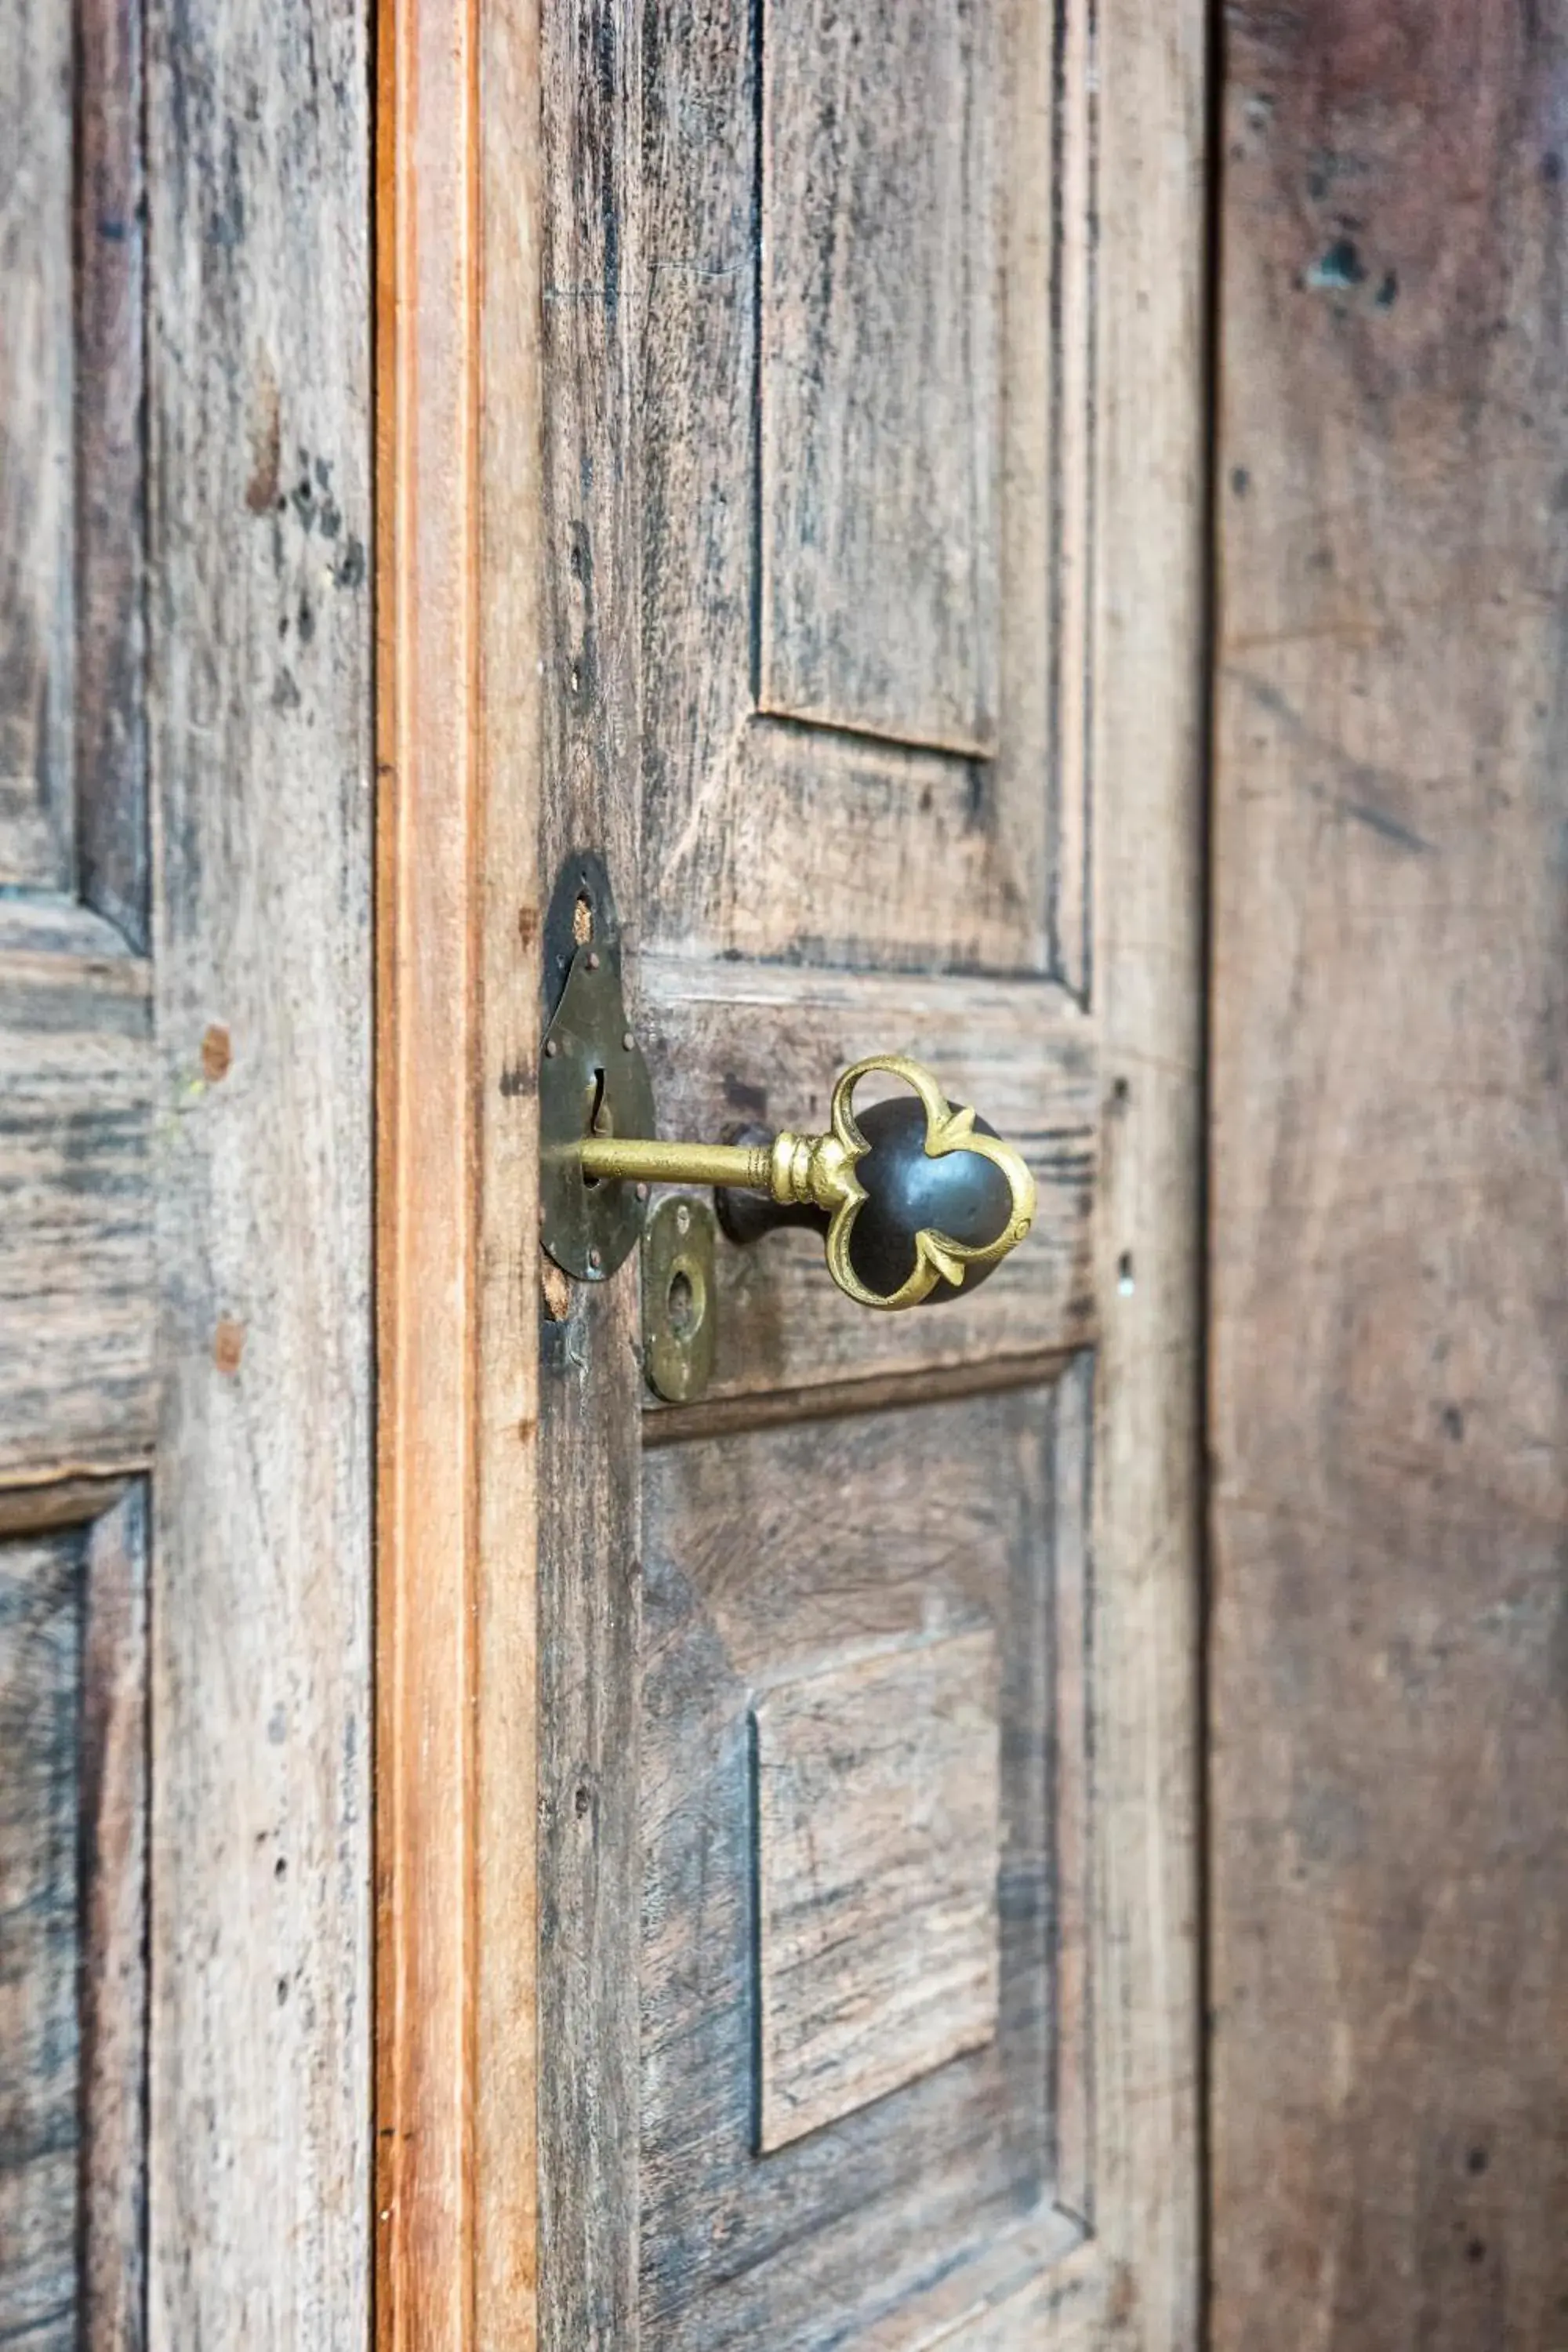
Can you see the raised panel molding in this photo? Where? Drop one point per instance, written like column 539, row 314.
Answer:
column 880, row 368
column 878, row 1795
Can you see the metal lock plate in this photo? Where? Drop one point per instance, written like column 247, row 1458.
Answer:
column 592, row 1079
column 679, row 1302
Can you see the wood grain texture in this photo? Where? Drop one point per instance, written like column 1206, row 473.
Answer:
column 40, row 1627
column 877, row 1807
column 113, row 1762
column 1390, row 1857
column 775, row 1557
column 110, row 689
column 260, row 742
column 782, row 882
column 590, row 1574
column 459, row 569
column 776, row 838
column 73, row 1980
column 36, row 384
column 880, row 370
column 1147, row 653
column 76, row 1182
column 737, row 1043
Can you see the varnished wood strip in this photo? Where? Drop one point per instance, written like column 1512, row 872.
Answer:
column 110, row 716
column 508, row 888
column 672, row 1425
column 457, row 997
column 112, row 1792
column 1389, row 1844
column 37, row 382
column 76, row 1207
column 427, row 861
column 259, row 686
column 590, row 1577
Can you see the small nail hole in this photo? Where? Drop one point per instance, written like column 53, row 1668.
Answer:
column 1124, row 1281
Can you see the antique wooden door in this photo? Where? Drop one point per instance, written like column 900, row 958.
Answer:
column 791, row 547
column 184, row 1177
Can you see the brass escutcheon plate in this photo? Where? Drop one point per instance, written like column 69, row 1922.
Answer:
column 680, row 1303
column 592, row 1080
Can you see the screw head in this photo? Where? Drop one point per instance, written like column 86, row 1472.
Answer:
column 642, row 1191
column 550, row 1049
column 593, row 959
column 628, row 1041
column 683, row 1219
column 595, row 1258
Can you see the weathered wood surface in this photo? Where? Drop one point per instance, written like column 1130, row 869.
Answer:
column 40, row 1632
column 590, row 1572
column 880, row 369
column 772, row 837
column 73, row 1887
column 878, row 1808
column 1147, row 648
column 36, row 600
column 113, row 1760
column 780, row 882
column 458, row 577
column 108, row 695
column 776, row 1559
column 258, row 384
column 752, row 1045
column 77, row 1181
column 1390, row 1849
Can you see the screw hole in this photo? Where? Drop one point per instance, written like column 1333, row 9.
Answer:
column 1124, row 1281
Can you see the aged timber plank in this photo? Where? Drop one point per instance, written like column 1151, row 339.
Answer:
column 76, row 1195
column 590, row 1592
column 1390, row 1848
column 37, row 374
column 259, row 386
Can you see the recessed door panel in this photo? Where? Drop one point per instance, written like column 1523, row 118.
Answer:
column 864, row 1817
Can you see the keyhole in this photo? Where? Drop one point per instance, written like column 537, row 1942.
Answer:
column 600, row 1121
column 681, row 1303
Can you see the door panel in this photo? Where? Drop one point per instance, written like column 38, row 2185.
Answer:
column 865, row 2008
column 863, row 1846
column 184, row 1346
column 846, row 585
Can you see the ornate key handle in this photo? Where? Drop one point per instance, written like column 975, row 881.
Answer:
column 922, row 1199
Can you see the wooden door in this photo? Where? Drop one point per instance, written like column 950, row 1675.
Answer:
column 792, row 476
column 184, row 1145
